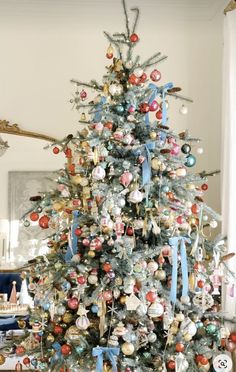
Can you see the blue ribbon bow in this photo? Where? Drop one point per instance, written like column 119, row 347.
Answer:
column 155, row 91
column 99, row 110
column 111, row 353
column 72, row 246
column 174, row 242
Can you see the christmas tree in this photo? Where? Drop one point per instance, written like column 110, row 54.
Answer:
column 131, row 282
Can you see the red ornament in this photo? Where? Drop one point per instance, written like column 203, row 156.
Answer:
column 73, row 303
column 78, row 231
column 81, row 279
column 86, row 242
column 233, row 337
column 154, row 106
column 57, row 329
column 200, row 283
column 108, row 125
column 144, row 108
column 179, row 347
column 20, row 350
column 66, row 349
column 107, row 267
column 151, row 296
column 130, row 231
column 134, row 38
column 155, row 75
column 43, row 222
column 198, row 358
column 171, row 364
column 96, row 244
column 26, row 361
column 204, row 187
column 56, row 150
column 180, row 219
column 143, row 78
column 68, row 152
column 63, row 237
column 71, row 169
column 195, row 208
column 133, row 79
column 34, row 216
column 203, row 360
column 83, row 94
column 109, row 55
column 159, row 115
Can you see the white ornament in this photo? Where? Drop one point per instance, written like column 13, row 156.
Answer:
column 138, row 72
column 181, row 172
column 183, row 110
column 132, row 302
column 152, row 337
column 82, row 322
column 203, row 301
column 152, row 266
column 141, row 310
column 188, row 327
column 135, row 196
column 98, row 173
column 127, row 348
column 181, row 364
column 92, row 279
column 213, row 224
column 115, row 89
column 155, row 310
column 200, row 150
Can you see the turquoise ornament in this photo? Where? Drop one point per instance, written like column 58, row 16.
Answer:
column 119, row 109
column 190, row 161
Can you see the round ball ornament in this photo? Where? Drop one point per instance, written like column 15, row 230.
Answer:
column 143, row 78
column 211, row 329
column 232, row 337
column 135, row 196
column 2, row 359
column 190, row 161
column 199, row 150
column 155, row 310
column 26, row 361
column 151, row 296
column 98, row 173
column 144, row 108
column 82, row 322
column 73, row 303
column 134, row 38
column 186, row 148
column 56, row 150
column 138, row 72
column 179, row 347
column 66, row 349
column 171, row 365
column 119, row 109
column 133, row 79
column 152, row 337
column 154, row 106
column 34, row 216
column 20, row 350
column 44, row 222
column 155, row 75
column 127, row 348
column 159, row 115
column 67, row 317
column 183, row 110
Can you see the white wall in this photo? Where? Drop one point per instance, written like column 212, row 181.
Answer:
column 45, row 44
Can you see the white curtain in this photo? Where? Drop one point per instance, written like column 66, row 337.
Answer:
column 229, row 155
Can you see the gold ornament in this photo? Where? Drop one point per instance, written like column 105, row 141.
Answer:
column 122, row 300
column 155, row 163
column 153, row 135
column 91, row 254
column 73, row 334
column 2, row 359
column 83, row 117
column 21, row 323
column 190, row 186
column 106, row 368
column 160, row 274
column 76, row 180
column 191, row 281
column 67, row 317
column 127, row 348
column 187, row 337
column 50, row 338
column 57, row 206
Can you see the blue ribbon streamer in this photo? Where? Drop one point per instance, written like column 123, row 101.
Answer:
column 174, row 242
column 146, row 165
column 111, row 353
column 72, row 249
column 99, row 109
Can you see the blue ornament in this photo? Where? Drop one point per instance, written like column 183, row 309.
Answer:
column 94, row 309
column 190, row 161
column 46, row 306
column 34, row 362
column 79, row 349
column 40, row 333
column 119, row 109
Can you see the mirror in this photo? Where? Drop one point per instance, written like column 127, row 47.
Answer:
column 20, row 166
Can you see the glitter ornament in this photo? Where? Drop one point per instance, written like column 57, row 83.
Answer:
column 144, row 108
column 155, row 75
column 66, row 349
column 2, row 359
column 73, row 303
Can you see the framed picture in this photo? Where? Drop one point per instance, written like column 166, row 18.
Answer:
column 26, row 242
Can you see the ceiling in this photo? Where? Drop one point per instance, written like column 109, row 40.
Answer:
column 179, row 9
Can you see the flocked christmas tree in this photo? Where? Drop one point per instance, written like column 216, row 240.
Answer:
column 131, row 283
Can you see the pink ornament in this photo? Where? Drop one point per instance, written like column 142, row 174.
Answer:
column 141, row 159
column 154, row 106
column 131, row 109
column 73, row 303
column 172, row 174
column 60, row 187
column 120, row 227
column 128, row 139
column 107, row 295
column 86, row 242
column 151, row 296
column 126, row 178
column 175, row 150
column 83, row 95
column 99, row 127
column 230, row 346
column 180, row 220
column 155, row 75
column 118, row 135
column 98, row 173
column 166, row 251
column 135, row 196
column 181, row 172
column 81, row 279
column 207, row 287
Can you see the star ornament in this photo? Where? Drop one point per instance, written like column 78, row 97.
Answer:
column 132, row 302
column 82, row 310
